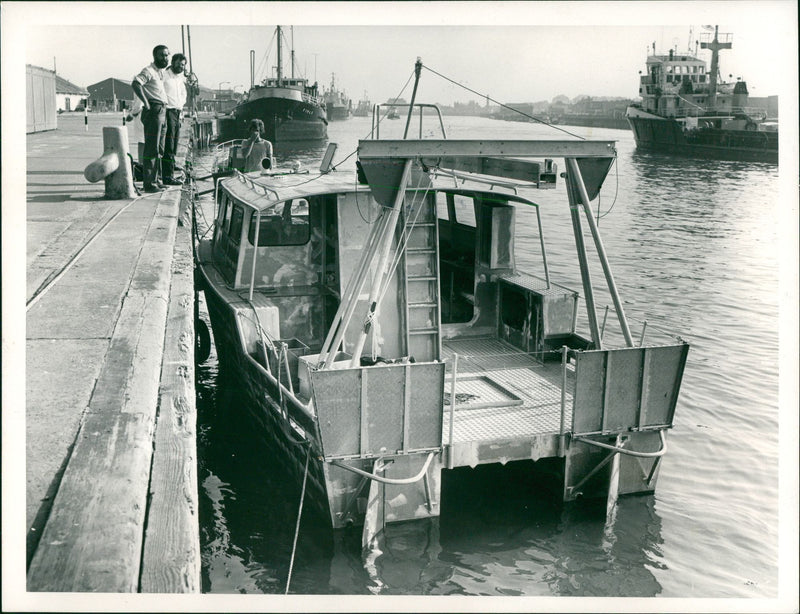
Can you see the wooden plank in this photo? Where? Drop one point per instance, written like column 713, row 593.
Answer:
column 171, row 556
column 93, row 538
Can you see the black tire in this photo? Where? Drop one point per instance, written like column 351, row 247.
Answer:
column 202, row 347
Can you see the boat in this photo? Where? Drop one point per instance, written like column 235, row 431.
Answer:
column 393, row 114
column 337, row 103
column 383, row 333
column 686, row 110
column 290, row 107
column 363, row 108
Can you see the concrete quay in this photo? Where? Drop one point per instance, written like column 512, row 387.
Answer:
column 111, row 471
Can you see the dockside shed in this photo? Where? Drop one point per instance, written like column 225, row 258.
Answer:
column 40, row 99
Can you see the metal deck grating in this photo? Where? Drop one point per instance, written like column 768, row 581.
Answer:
column 537, row 385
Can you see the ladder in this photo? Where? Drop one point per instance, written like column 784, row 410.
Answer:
column 421, row 279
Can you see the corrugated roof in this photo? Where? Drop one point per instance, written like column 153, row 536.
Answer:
column 67, row 87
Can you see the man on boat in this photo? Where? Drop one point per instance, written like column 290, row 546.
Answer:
column 148, row 86
column 175, row 87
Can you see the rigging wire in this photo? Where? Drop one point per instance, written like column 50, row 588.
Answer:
column 505, row 106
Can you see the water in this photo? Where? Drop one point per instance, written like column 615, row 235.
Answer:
column 694, row 249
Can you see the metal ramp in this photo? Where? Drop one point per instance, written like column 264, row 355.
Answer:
column 420, row 278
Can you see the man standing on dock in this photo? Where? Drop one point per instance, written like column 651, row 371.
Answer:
column 175, row 88
column 148, row 86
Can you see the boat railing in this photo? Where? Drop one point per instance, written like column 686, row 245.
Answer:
column 311, row 99
column 695, row 110
column 376, row 116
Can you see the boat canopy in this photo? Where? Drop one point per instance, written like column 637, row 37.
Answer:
column 507, row 163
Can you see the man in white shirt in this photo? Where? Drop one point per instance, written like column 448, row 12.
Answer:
column 175, row 87
column 148, row 86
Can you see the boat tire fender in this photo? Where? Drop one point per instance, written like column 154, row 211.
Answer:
column 202, row 347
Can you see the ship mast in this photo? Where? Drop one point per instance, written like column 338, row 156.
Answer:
column 715, row 46
column 280, row 67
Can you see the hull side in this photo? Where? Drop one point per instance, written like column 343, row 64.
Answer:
column 334, row 493
column 668, row 136
column 284, row 120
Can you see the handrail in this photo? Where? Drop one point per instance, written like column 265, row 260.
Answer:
column 397, row 481
column 376, row 111
column 622, row 450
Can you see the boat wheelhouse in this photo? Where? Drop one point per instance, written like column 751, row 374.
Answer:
column 384, row 332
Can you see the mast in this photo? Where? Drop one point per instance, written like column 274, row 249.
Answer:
column 715, row 46
column 292, row 31
column 280, row 67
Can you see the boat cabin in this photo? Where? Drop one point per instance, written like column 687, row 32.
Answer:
column 295, row 252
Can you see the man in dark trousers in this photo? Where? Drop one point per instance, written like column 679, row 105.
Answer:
column 148, row 86
column 175, row 87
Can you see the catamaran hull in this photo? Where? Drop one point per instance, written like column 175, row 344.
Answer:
column 668, row 136
column 285, row 120
column 333, row 492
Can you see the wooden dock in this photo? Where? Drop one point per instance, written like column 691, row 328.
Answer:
column 112, row 495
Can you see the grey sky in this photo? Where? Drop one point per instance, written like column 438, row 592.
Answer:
column 514, row 52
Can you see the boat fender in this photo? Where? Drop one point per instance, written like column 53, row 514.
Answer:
column 202, row 348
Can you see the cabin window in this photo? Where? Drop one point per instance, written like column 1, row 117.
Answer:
column 237, row 218
column 226, row 208
column 464, row 210
column 669, row 69
column 441, row 206
column 284, row 223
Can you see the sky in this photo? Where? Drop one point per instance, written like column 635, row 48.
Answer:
column 510, row 51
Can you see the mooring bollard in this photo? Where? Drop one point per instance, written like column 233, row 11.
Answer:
column 113, row 165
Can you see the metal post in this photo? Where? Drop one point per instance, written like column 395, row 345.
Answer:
column 452, row 411
column 386, row 247
column 561, row 442
column 255, row 253
column 644, row 328
column 417, row 71
column 584, row 265
column 544, row 251
column 603, row 328
column 575, row 171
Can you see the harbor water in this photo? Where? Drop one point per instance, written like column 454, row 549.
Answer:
column 694, row 247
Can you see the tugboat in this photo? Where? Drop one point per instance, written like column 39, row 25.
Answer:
column 383, row 332
column 364, row 107
column 337, row 103
column 290, row 108
column 686, row 110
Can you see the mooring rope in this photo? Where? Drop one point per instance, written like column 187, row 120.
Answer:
column 297, row 526
column 505, row 106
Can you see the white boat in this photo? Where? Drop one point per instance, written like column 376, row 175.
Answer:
column 384, row 333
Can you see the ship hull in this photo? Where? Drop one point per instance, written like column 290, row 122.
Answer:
column 337, row 112
column 653, row 133
column 285, row 120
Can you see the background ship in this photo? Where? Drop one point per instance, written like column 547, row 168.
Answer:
column 364, row 107
column 290, row 108
column 337, row 103
column 686, row 110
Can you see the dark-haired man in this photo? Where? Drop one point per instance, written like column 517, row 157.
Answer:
column 175, row 88
column 148, row 86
